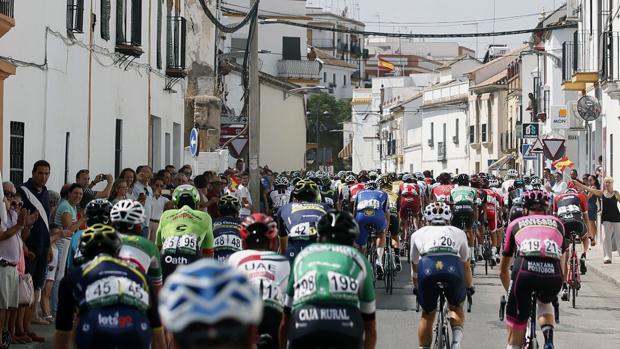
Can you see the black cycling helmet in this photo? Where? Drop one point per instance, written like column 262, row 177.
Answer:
column 462, row 179
column 338, row 226
column 99, row 238
column 475, row 182
column 98, row 211
column 306, row 190
column 228, row 205
column 444, row 178
column 516, row 211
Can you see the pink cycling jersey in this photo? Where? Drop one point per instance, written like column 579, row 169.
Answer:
column 535, row 236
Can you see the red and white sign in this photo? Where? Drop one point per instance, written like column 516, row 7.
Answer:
column 553, row 148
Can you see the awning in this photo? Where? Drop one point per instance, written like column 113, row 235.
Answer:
column 346, row 151
column 501, row 162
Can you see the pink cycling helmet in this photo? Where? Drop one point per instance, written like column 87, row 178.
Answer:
column 535, row 199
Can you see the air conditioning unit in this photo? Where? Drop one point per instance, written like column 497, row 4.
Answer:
column 455, row 139
column 430, row 143
column 576, row 122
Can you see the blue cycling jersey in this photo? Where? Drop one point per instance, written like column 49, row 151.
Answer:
column 74, row 256
column 371, row 202
column 297, row 221
column 226, row 238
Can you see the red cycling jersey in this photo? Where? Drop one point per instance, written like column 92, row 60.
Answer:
column 409, row 196
column 493, row 204
column 442, row 192
column 356, row 188
column 566, row 199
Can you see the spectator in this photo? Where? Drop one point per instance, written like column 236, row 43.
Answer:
column 213, row 195
column 179, row 179
column 200, row 182
column 142, row 192
column 119, row 191
column 36, row 199
column 243, row 194
column 573, row 175
column 559, row 186
column 239, row 166
column 171, row 169
column 167, row 179
column 610, row 215
column 56, row 233
column 593, row 204
column 265, row 188
column 129, row 175
column 54, row 200
column 158, row 203
column 82, row 178
column 187, row 171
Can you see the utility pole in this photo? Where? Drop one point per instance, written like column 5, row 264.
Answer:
column 254, row 116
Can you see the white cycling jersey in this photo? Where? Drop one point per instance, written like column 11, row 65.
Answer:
column 439, row 239
column 267, row 270
column 280, row 199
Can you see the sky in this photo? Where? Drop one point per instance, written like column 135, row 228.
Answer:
column 525, row 14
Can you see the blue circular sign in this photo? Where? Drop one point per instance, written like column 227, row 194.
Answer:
column 193, row 142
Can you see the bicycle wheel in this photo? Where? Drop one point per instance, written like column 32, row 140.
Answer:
column 573, row 286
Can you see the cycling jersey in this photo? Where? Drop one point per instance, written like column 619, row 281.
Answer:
column 279, row 199
column 535, row 236
column 74, row 256
column 571, row 208
column 370, row 208
column 297, row 221
column 143, row 255
column 492, row 207
column 441, row 192
column 116, row 305
column 463, row 195
column 439, row 252
column 515, row 198
column 226, row 237
column 392, row 201
column 355, row 189
column 183, row 236
column 409, row 199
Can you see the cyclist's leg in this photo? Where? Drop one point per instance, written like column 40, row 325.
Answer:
column 519, row 304
column 427, row 297
column 548, row 289
column 362, row 239
column 382, row 228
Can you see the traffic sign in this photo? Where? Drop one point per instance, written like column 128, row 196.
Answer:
column 553, row 148
column 526, row 151
column 537, row 147
column 193, row 142
column 530, row 130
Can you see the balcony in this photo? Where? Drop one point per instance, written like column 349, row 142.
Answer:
column 175, row 58
column 7, row 20
column 129, row 28
column 610, row 70
column 441, row 151
column 304, row 71
column 578, row 66
column 326, row 44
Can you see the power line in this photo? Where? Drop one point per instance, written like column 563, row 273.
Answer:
column 482, row 20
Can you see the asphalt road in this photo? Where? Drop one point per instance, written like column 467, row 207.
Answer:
column 593, row 324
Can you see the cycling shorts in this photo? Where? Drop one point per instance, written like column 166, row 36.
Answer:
column 170, row 261
column 295, row 246
column 365, row 222
column 492, row 220
column 409, row 204
column 573, row 224
column 326, row 326
column 394, row 224
column 116, row 327
column 463, row 216
column 271, row 326
column 440, row 268
column 540, row 275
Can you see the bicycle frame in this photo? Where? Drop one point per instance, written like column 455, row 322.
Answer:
column 442, row 334
column 530, row 335
column 573, row 277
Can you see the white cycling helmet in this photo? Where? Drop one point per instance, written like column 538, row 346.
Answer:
column 494, row 183
column 127, row 211
column 281, row 181
column 438, row 212
column 536, row 182
column 512, row 173
column 207, row 292
column 350, row 179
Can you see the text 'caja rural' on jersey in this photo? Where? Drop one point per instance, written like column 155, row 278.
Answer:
column 463, row 195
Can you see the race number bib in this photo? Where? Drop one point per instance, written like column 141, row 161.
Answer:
column 368, row 204
column 568, row 210
column 306, row 285
column 187, row 243
column 229, row 241
column 269, row 290
column 530, row 247
column 116, row 289
column 302, row 230
column 339, row 283
column 552, row 249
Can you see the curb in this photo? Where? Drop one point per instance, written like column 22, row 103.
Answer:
column 603, row 275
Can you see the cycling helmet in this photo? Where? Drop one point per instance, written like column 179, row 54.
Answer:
column 385, row 182
column 370, row 185
column 407, row 178
column 518, row 183
column 350, row 179
column 127, row 215
column 258, row 228
column 295, row 174
column 306, row 190
column 98, row 211
column 443, row 178
column 186, row 195
column 310, row 174
column 281, row 181
column 527, row 180
column 228, row 204
column 99, row 238
column 535, row 199
column 494, row 183
column 462, row 179
column 341, row 174
column 476, row 182
column 419, row 176
column 338, row 226
column 210, row 295
column 373, row 175
column 516, row 211
column 485, row 183
column 512, row 173
column 536, row 183
column 438, row 213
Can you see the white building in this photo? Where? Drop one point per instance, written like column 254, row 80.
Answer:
column 336, row 74
column 364, row 127
column 94, row 94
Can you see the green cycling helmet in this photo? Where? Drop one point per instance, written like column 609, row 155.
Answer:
column 186, row 195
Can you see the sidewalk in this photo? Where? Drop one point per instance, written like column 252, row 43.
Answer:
column 608, row 272
column 46, row 332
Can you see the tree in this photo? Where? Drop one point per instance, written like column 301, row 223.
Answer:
column 331, row 113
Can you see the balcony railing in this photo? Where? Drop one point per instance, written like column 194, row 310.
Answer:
column 322, row 43
column 576, row 58
column 610, row 60
column 304, row 70
column 441, row 151
column 7, row 8
column 176, row 37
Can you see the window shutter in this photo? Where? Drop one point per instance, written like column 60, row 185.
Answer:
column 120, row 21
column 159, row 34
column 105, row 19
column 136, row 22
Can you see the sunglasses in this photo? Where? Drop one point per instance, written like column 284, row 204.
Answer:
column 9, row 194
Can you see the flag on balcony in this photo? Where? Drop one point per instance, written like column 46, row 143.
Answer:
column 384, row 65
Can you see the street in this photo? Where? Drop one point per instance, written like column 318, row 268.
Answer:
column 593, row 324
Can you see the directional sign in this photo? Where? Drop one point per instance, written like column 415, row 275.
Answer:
column 553, row 148
column 526, row 151
column 193, row 142
column 531, row 130
column 537, row 147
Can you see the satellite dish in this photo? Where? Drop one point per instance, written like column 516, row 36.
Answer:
column 588, row 108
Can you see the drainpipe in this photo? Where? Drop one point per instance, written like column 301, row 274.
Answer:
column 148, row 116
column 90, row 80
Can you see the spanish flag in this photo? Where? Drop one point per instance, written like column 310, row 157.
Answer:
column 384, row 65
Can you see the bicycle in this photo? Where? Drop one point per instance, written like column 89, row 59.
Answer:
column 388, row 265
column 530, row 334
column 487, row 252
column 442, row 325
column 573, row 277
column 371, row 252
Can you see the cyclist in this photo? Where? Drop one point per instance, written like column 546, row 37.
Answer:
column 515, row 194
column 185, row 233
column 362, row 178
column 126, row 217
column 372, row 214
column 493, row 213
column 441, row 192
column 116, row 306
column 409, row 202
column 572, row 209
column 280, row 195
column 208, row 304
column 385, row 184
column 344, row 196
column 330, row 299
column 481, row 201
column 97, row 212
column 538, row 240
column 439, row 253
column 267, row 270
column 511, row 175
column 465, row 209
column 297, row 219
column 226, row 236
column 327, row 193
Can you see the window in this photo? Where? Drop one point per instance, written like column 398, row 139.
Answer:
column 344, row 80
column 155, row 142
column 17, row 152
column 129, row 27
column 456, row 130
column 431, row 140
column 106, row 8
column 75, row 16
column 175, row 47
column 324, row 77
column 444, row 132
column 167, row 148
column 291, row 48
column 67, row 144
column 483, row 132
column 334, row 78
column 118, row 147
column 158, row 40
column 472, row 134
column 176, row 145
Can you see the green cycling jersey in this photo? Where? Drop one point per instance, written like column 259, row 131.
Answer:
column 143, row 255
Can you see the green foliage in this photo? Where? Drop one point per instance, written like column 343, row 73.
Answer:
column 332, row 113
